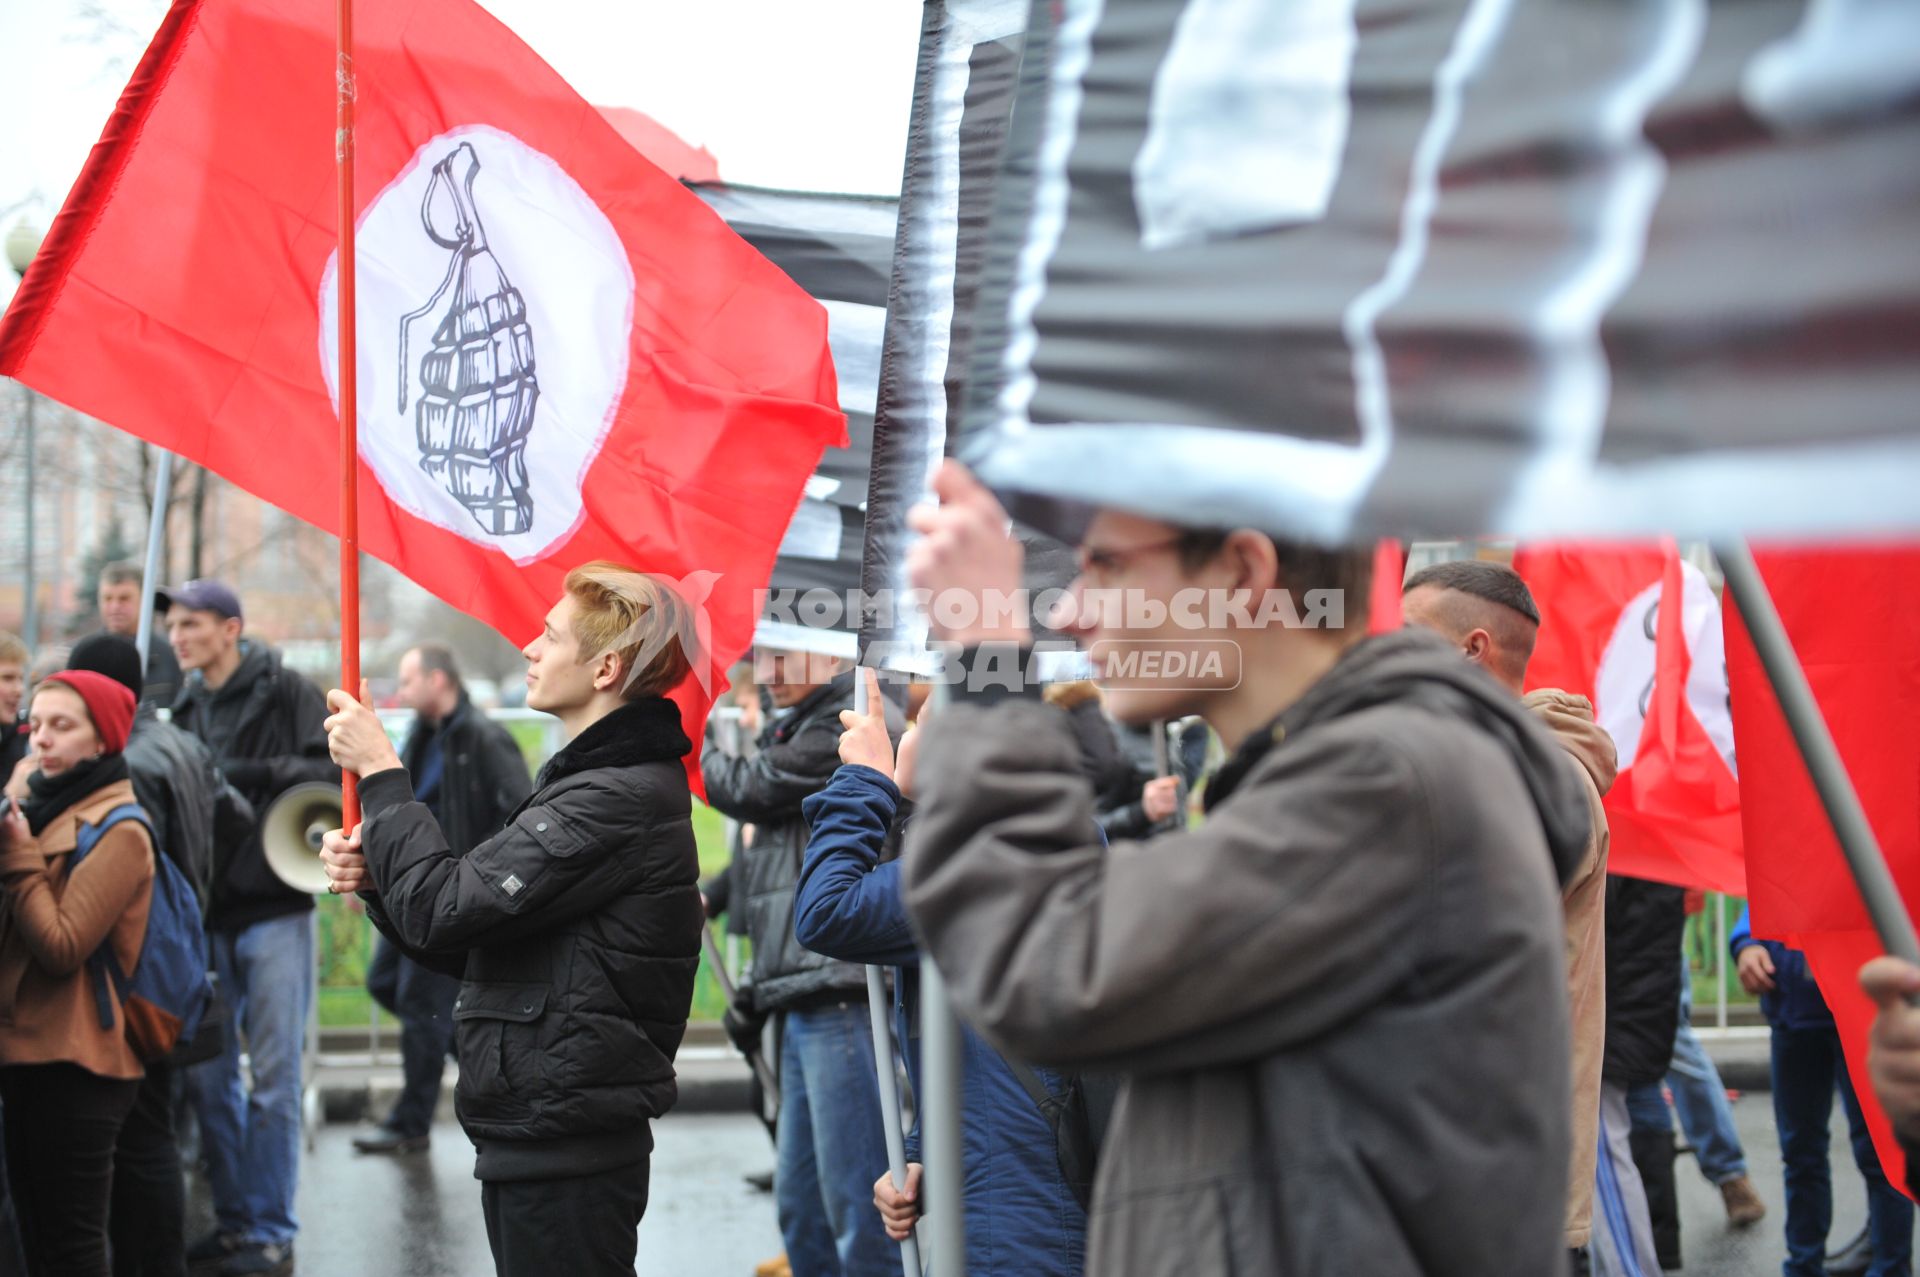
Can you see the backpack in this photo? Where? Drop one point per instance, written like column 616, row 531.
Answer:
column 1076, row 1119
column 166, row 994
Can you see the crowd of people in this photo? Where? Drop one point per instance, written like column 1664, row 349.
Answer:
column 1379, row 1008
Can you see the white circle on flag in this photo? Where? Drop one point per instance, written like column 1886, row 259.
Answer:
column 1623, row 685
column 495, row 302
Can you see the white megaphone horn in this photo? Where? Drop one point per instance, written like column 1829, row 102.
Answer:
column 291, row 831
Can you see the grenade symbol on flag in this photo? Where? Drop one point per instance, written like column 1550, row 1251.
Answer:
column 476, row 384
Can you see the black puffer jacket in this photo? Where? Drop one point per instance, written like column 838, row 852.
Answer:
column 1646, row 922
column 580, row 923
column 798, row 756
column 264, row 726
column 190, row 805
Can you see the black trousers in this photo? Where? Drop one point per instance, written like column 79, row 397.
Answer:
column 148, row 1220
column 62, row 1123
column 585, row 1227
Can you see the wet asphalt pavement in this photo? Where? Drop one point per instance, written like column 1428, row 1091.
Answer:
column 419, row 1216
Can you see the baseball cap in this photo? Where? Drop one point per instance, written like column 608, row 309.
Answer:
column 203, row 595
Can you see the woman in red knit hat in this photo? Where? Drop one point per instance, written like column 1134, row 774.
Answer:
column 67, row 1080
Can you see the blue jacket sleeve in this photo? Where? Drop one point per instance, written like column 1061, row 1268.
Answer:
column 849, row 905
column 1742, row 934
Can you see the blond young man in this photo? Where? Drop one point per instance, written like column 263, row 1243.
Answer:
column 576, row 928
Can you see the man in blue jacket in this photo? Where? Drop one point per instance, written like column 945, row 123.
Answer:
column 1807, row 1064
column 1022, row 1215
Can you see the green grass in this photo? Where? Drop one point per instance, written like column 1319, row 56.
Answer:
column 345, row 938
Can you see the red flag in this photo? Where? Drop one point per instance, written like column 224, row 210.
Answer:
column 1637, row 630
column 1853, row 616
column 1389, row 573
column 563, row 355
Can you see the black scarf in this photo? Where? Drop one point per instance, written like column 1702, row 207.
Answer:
column 53, row 795
column 642, row 731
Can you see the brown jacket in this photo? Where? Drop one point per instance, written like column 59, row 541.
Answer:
column 1584, row 901
column 51, row 923
column 1336, row 1006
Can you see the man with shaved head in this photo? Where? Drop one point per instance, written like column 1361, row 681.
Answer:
column 1487, row 611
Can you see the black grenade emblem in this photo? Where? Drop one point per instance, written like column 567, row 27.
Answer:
column 477, row 386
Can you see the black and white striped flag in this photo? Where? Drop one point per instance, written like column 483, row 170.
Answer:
column 840, row 249
column 1350, row 268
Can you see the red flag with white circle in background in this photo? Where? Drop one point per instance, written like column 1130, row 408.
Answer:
column 563, row 354
column 1610, row 630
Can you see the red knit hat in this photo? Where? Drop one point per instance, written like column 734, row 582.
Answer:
column 109, row 705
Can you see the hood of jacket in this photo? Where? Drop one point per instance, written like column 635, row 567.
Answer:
column 1417, row 668
column 1570, row 717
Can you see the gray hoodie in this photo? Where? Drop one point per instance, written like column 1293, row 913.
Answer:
column 1339, row 1005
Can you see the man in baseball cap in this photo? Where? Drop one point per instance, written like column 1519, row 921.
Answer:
column 262, row 722
column 203, row 594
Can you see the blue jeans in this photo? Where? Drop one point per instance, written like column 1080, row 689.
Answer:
column 1806, row 1066
column 832, row 1147
column 1700, row 1098
column 422, row 1000
column 1647, row 1108
column 252, row 1140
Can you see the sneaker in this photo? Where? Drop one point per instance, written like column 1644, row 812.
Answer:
column 775, row 1267
column 212, row 1251
column 1853, row 1258
column 1743, row 1205
column 260, row 1261
column 385, row 1139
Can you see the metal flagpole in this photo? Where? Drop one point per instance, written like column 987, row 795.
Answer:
column 941, row 1067
column 883, row 1064
column 349, row 392
column 942, row 1070
column 31, row 617
column 156, row 541
column 1828, row 773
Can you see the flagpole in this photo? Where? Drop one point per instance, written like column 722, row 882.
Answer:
column 1824, row 767
column 883, row 1065
column 156, row 541
column 349, row 392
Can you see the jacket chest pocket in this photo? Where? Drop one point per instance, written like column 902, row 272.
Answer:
column 502, row 1060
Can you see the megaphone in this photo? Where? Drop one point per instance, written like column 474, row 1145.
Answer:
column 291, row 831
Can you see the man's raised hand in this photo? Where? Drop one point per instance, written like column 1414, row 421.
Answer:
column 865, row 740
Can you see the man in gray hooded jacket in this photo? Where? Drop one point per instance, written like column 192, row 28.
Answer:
column 1339, row 1006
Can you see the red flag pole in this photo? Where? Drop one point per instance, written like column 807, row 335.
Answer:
column 349, row 394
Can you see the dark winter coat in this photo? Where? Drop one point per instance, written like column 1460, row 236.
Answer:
column 1646, row 922
column 485, row 774
column 580, row 925
column 798, row 756
column 264, row 729
column 162, row 681
column 1339, row 1004
column 190, row 805
column 1021, row 1213
column 14, row 746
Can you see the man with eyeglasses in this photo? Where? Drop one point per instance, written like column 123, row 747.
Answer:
column 1338, row 1006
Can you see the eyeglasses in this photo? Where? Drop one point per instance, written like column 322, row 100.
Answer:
column 1101, row 564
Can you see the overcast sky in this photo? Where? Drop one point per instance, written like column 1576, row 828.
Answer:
column 811, row 96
